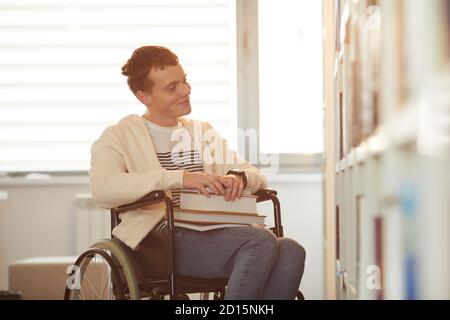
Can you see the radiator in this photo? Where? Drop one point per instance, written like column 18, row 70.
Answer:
column 92, row 222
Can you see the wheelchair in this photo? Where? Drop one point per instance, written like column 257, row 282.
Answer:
column 107, row 271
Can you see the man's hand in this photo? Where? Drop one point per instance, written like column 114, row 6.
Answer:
column 234, row 186
column 201, row 181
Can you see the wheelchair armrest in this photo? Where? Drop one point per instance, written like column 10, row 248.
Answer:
column 159, row 196
column 150, row 198
column 271, row 194
column 264, row 194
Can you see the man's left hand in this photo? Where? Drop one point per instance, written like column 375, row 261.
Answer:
column 234, row 186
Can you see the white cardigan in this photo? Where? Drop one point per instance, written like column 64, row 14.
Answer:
column 125, row 167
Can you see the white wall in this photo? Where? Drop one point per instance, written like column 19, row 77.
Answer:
column 301, row 202
column 37, row 218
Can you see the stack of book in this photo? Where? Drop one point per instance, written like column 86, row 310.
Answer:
column 201, row 213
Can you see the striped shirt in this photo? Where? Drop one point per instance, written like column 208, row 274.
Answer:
column 188, row 160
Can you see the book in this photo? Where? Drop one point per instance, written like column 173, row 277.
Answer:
column 205, row 227
column 194, row 200
column 202, row 213
column 201, row 217
column 202, row 226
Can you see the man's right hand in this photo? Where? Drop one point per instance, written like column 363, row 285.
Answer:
column 201, row 181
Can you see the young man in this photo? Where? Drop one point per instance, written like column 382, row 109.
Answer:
column 137, row 156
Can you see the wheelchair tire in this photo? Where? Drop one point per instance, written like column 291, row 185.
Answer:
column 120, row 276
column 300, row 295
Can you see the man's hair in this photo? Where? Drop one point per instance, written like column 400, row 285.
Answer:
column 142, row 61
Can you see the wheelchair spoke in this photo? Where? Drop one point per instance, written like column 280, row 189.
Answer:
column 90, row 283
column 108, row 277
column 82, row 294
column 93, row 288
column 107, row 282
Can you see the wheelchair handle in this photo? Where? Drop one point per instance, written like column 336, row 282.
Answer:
column 150, row 198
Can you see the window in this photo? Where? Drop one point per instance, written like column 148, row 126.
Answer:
column 290, row 76
column 60, row 80
column 280, row 87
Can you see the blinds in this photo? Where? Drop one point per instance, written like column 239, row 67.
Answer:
column 60, row 78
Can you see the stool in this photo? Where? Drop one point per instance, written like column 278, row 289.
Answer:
column 40, row 278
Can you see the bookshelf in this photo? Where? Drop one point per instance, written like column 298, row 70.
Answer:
column 387, row 138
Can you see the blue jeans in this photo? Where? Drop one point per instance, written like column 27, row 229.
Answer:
column 258, row 264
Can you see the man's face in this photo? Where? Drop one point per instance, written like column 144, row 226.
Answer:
column 169, row 98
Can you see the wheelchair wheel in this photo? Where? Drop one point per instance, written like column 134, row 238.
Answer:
column 300, row 295
column 102, row 272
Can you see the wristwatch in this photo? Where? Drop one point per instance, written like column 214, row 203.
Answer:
column 239, row 173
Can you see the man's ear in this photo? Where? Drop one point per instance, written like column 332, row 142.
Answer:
column 143, row 97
